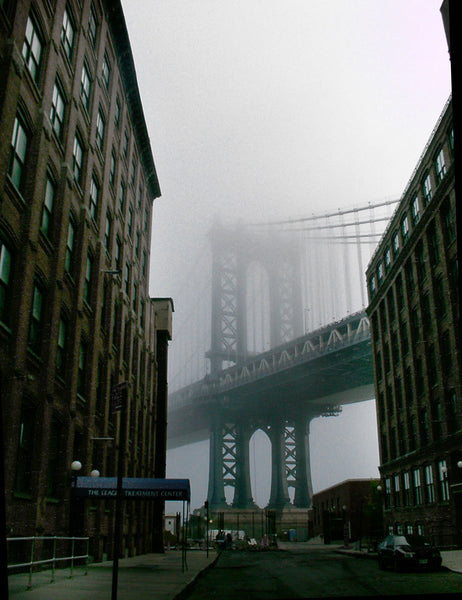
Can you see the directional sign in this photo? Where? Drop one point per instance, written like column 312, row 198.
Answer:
column 136, row 488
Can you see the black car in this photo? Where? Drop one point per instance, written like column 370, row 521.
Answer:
column 408, row 552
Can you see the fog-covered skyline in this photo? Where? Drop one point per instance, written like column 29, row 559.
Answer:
column 266, row 110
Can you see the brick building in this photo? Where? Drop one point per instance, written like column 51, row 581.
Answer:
column 345, row 511
column 77, row 185
column 414, row 313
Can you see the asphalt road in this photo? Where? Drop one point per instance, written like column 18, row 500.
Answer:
column 312, row 573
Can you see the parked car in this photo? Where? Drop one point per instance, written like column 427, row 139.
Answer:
column 408, row 551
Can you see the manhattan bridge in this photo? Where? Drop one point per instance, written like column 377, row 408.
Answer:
column 271, row 335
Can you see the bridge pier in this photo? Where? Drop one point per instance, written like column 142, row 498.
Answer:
column 303, row 484
column 216, row 492
column 279, row 495
column 242, row 487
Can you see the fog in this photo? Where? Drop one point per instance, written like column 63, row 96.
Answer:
column 268, row 110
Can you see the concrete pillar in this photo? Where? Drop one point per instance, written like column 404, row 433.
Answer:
column 216, row 492
column 279, row 497
column 243, row 489
column 303, row 485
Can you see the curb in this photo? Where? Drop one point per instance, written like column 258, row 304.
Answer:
column 188, row 587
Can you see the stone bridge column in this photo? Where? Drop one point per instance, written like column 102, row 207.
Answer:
column 243, row 489
column 216, row 492
column 303, row 485
column 279, row 496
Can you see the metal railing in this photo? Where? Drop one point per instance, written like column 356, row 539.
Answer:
column 54, row 560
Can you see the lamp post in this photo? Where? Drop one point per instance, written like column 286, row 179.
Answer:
column 346, row 528
column 76, row 465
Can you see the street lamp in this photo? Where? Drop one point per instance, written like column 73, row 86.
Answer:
column 346, row 529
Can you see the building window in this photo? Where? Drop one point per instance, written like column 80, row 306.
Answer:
column 440, row 166
column 18, row 151
column 449, row 222
column 420, row 262
column 433, row 249
column 25, row 455
column 32, row 48
column 387, row 493
column 85, row 86
column 415, row 210
column 69, row 246
column 405, row 228
column 92, row 26
column 133, row 173
column 94, row 196
column 437, row 420
column 122, row 197
column 417, row 486
column 439, row 296
column 387, row 259
column 144, row 264
column 36, row 317
column 106, row 71
column 427, row 188
column 138, row 244
column 443, row 481
column 452, row 411
column 130, row 221
column 61, row 348
column 372, row 286
column 58, row 106
column 407, row 488
column 88, row 279
column 118, row 254
column 107, row 231
column 67, row 34
column 117, row 113
column 47, row 207
column 451, row 140
column 81, row 371
column 127, row 279
column 380, row 272
column 125, row 146
column 112, row 169
column 5, row 282
column 77, row 159
column 396, row 490
column 395, row 244
column 100, row 126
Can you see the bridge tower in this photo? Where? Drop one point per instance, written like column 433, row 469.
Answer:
column 233, row 251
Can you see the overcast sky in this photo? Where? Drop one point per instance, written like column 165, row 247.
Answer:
column 270, row 109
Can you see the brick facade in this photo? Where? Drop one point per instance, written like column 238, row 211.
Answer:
column 414, row 313
column 77, row 185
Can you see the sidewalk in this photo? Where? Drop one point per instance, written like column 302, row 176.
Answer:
column 146, row 577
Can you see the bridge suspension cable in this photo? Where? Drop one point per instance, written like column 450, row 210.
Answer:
column 334, row 250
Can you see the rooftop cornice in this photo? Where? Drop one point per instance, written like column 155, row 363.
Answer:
column 118, row 28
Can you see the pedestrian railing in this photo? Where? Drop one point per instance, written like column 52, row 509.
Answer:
column 55, row 559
